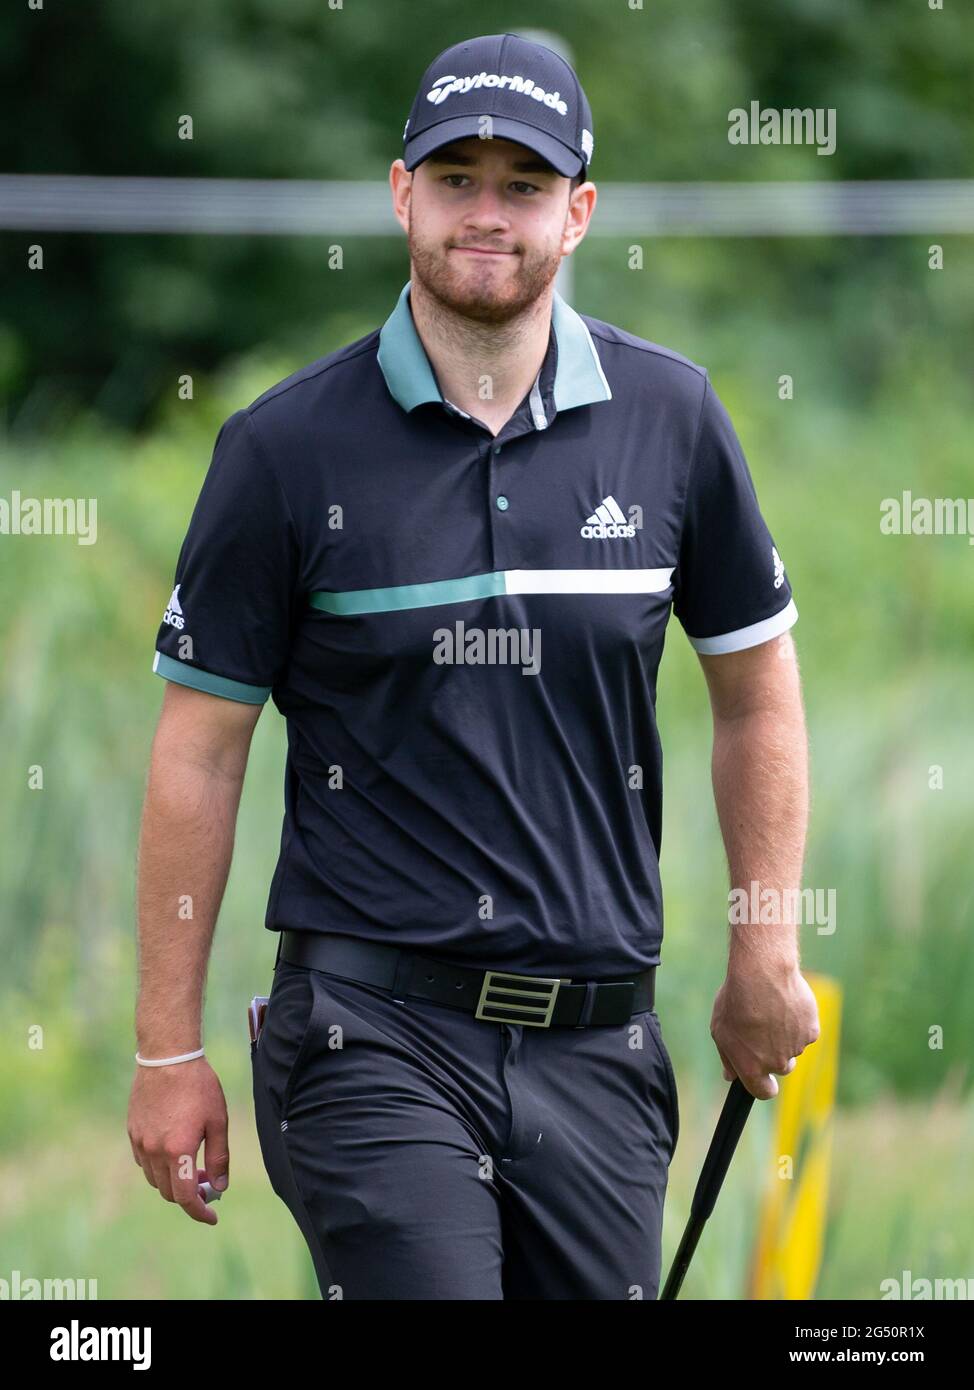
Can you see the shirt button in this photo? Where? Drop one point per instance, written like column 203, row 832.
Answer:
column 502, row 503
column 497, row 448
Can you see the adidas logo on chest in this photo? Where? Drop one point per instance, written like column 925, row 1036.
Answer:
column 608, row 523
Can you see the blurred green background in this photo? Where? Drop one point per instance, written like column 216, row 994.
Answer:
column 878, row 344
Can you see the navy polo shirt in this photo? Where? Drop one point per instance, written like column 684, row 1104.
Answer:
column 463, row 634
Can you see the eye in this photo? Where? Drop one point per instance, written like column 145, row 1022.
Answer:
column 521, row 185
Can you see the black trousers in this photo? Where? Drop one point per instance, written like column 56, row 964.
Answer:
column 426, row 1154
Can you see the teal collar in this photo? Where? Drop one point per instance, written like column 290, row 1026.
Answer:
column 579, row 378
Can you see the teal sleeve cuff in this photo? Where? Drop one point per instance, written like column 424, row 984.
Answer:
column 184, row 674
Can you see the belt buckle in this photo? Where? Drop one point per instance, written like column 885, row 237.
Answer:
column 534, row 1005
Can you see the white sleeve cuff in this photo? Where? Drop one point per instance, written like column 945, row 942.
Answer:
column 747, row 636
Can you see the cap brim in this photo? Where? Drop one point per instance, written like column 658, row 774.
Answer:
column 503, row 127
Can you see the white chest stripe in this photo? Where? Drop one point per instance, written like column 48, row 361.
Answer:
column 622, row 581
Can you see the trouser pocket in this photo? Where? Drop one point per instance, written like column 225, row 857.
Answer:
column 290, row 1026
column 670, row 1076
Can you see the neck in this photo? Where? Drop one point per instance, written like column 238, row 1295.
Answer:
column 464, row 351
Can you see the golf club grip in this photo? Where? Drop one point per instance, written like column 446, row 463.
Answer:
column 733, row 1118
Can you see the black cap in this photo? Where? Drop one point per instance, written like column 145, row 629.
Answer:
column 530, row 94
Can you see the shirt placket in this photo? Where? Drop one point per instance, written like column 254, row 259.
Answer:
column 496, row 455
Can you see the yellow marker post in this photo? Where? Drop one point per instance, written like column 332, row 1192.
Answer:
column 791, row 1231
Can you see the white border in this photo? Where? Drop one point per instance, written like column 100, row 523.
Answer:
column 747, row 636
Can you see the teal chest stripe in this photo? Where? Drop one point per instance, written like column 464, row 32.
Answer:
column 475, row 586
column 410, row 595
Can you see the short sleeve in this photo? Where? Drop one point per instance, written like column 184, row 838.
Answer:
column 730, row 590
column 227, row 625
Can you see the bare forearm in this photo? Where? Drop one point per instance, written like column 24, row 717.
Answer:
column 185, row 850
column 760, row 778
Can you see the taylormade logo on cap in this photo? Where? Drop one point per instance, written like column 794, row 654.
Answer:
column 446, row 86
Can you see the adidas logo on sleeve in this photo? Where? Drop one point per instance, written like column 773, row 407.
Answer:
column 779, row 569
column 608, row 523
column 174, row 613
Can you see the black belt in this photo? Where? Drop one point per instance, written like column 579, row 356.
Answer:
column 495, row 996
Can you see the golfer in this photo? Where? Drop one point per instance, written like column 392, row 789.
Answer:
column 448, row 553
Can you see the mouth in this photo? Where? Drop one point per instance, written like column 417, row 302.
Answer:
column 480, row 251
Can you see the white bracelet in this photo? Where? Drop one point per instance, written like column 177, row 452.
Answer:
column 165, row 1061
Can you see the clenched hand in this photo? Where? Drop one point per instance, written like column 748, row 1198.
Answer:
column 172, row 1110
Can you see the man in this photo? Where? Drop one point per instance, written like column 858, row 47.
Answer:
column 448, row 552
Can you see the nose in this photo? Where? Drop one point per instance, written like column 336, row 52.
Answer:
column 487, row 208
